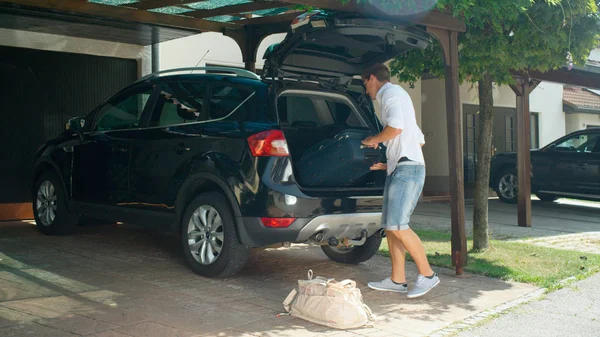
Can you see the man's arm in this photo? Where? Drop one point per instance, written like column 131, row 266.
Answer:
column 385, row 135
column 394, row 122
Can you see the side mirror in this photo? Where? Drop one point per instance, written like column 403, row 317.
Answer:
column 76, row 125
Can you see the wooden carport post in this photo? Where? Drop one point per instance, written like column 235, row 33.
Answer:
column 249, row 40
column 449, row 41
column 522, row 89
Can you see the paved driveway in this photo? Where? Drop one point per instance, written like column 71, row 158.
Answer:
column 124, row 281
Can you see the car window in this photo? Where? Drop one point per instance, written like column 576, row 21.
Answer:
column 583, row 143
column 123, row 112
column 179, row 103
column 229, row 103
column 318, row 112
column 298, row 111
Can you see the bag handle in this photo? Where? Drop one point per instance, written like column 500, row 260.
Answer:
column 344, row 284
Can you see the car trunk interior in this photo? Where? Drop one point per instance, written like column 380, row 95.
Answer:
column 310, row 118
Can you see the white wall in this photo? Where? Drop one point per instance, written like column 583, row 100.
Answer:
column 434, row 126
column 547, row 100
column 60, row 43
column 211, row 48
column 581, row 121
column 595, row 55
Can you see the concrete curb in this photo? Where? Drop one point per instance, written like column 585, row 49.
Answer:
column 475, row 319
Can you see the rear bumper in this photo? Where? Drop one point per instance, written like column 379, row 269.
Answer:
column 319, row 229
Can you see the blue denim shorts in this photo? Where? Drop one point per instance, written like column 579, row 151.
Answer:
column 402, row 191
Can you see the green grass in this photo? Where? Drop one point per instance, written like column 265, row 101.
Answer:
column 508, row 260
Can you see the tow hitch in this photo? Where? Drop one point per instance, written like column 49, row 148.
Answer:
column 345, row 242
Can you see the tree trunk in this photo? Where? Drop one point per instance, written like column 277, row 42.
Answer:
column 482, row 166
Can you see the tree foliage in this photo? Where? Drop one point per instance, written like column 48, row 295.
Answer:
column 509, row 35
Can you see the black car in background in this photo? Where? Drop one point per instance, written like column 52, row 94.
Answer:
column 213, row 156
column 568, row 167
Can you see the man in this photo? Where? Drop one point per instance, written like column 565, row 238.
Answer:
column 404, row 183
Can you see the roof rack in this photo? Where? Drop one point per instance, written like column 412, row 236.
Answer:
column 239, row 72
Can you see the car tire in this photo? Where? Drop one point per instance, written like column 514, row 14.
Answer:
column 355, row 254
column 50, row 210
column 209, row 238
column 506, row 186
column 546, row 197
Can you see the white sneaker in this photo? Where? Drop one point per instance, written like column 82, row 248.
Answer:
column 388, row 285
column 423, row 286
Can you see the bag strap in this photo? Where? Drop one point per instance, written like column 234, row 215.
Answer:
column 372, row 318
column 289, row 299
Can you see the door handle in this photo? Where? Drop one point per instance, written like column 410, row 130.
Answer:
column 181, row 148
column 119, row 149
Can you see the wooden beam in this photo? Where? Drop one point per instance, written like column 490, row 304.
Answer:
column 522, row 89
column 578, row 77
column 122, row 14
column 234, row 9
column 433, row 19
column 449, row 43
column 153, row 4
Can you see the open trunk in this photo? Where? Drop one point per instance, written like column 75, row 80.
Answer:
column 323, row 116
column 323, row 130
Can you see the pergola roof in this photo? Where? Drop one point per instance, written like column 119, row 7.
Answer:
column 146, row 22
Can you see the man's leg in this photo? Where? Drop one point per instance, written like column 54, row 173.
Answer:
column 398, row 256
column 412, row 243
column 404, row 192
column 397, row 282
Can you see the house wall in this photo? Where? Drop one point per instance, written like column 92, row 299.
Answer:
column 209, row 48
column 434, row 126
column 60, row 43
column 595, row 55
column 581, row 121
column 546, row 100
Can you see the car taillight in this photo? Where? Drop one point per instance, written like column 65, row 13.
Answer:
column 270, row 143
column 277, row 222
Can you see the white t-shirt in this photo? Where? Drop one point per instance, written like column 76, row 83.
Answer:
column 398, row 112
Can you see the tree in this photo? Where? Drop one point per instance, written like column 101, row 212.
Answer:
column 501, row 36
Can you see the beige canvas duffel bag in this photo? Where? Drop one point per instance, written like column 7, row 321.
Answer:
column 329, row 302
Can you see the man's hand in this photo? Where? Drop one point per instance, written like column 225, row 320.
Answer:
column 379, row 167
column 371, row 142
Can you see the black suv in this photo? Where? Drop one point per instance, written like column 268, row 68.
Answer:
column 212, row 155
column 568, row 167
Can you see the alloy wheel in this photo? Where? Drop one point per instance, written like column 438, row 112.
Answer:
column 205, row 234
column 508, row 186
column 46, row 206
